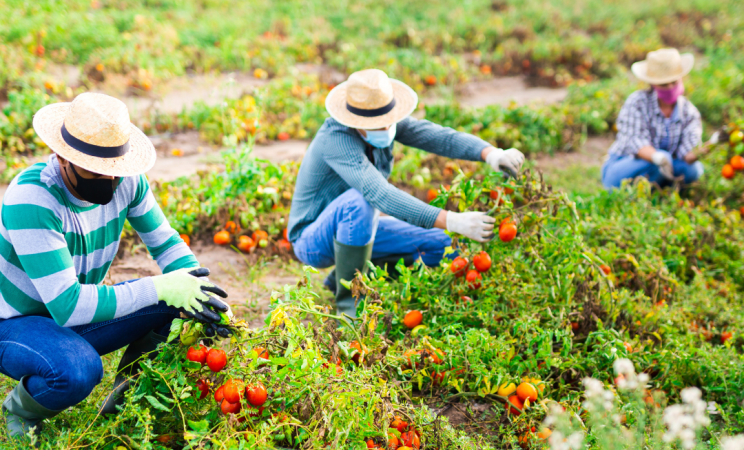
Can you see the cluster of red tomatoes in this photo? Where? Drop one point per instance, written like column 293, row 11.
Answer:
column 460, row 266
column 410, row 438
column 230, row 394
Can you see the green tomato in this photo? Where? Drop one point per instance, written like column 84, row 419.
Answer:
column 736, row 137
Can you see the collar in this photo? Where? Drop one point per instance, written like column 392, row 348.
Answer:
column 676, row 112
column 60, row 181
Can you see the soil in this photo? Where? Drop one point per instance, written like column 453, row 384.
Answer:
column 591, row 154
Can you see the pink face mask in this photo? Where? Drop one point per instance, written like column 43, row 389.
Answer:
column 670, row 95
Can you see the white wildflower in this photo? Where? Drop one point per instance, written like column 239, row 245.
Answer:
column 624, row 366
column 684, row 420
column 712, row 408
column 560, row 442
column 733, row 443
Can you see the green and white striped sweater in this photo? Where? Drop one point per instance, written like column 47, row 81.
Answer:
column 55, row 249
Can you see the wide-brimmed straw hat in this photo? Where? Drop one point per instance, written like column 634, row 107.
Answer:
column 94, row 132
column 369, row 100
column 663, row 66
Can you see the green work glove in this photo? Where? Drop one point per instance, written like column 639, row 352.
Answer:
column 184, row 290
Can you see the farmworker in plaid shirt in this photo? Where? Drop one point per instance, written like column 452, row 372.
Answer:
column 342, row 185
column 60, row 226
column 657, row 128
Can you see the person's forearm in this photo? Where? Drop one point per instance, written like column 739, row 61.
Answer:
column 486, row 151
column 441, row 221
column 691, row 157
column 646, row 152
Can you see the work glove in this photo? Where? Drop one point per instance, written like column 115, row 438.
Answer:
column 183, row 289
column 665, row 165
column 475, row 225
column 509, row 161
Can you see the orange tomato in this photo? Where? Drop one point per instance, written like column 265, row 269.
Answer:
column 507, row 232
column 232, row 391
column 514, row 403
column 413, row 319
column 283, row 136
column 725, row 336
column 285, row 234
column 231, row 227
column 360, row 350
column 628, row 347
column 544, row 433
column 186, row 239
column 246, row 244
column 284, row 245
column 261, row 238
column 431, row 194
column 229, row 408
column 728, row 172
column 527, row 391
column 222, row 238
column 606, row 269
column 737, row 162
column 431, row 80
column 219, row 394
column 262, row 352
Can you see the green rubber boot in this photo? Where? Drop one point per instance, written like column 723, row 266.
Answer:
column 22, row 412
column 349, row 259
column 390, row 261
column 128, row 367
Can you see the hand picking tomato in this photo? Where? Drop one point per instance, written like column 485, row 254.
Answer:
column 473, row 279
column 482, row 262
column 459, row 266
column 216, row 359
column 197, row 354
column 413, row 319
column 256, row 394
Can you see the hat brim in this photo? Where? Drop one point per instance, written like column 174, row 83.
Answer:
column 405, row 103
column 139, row 159
column 640, row 70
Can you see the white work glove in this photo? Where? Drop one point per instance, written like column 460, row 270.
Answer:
column 509, row 161
column 715, row 137
column 665, row 166
column 474, row 225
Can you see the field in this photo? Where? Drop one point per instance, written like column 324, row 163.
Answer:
column 611, row 320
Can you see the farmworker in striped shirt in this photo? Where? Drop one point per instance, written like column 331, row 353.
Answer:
column 657, row 128
column 342, row 185
column 60, row 226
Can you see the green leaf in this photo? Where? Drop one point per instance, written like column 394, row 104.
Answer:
column 201, row 426
column 175, row 329
column 156, row 403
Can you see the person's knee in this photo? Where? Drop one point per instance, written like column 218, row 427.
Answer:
column 432, row 250
column 79, row 374
column 361, row 219
column 694, row 172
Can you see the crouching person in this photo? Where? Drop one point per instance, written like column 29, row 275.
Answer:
column 60, row 227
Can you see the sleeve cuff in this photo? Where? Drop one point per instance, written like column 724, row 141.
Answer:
column 472, row 146
column 429, row 216
column 144, row 294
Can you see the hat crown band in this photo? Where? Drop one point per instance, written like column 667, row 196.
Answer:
column 99, row 120
column 369, row 89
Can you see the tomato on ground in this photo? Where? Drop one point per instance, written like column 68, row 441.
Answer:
column 527, row 391
column 514, row 403
column 219, row 394
column 231, row 227
column 246, row 244
column 221, row 238
column 606, row 269
column 262, row 352
column 413, row 319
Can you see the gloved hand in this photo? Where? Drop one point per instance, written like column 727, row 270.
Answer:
column 474, row 225
column 182, row 289
column 665, row 165
column 220, row 330
column 509, row 161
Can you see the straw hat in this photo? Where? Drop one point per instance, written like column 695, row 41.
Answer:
column 94, row 132
column 369, row 100
column 663, row 66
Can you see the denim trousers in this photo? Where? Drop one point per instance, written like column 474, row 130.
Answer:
column 619, row 168
column 63, row 365
column 351, row 220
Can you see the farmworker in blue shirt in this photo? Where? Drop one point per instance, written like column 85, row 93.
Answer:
column 657, row 128
column 342, row 185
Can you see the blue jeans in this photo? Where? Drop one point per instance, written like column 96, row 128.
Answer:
column 619, row 168
column 63, row 365
column 351, row 220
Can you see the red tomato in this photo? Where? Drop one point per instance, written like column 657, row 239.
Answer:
column 229, row 408
column 459, row 266
column 482, row 262
column 216, row 359
column 410, row 439
column 219, row 394
column 399, row 424
column 371, row 443
column 473, row 279
column 606, row 269
column 262, row 352
column 393, row 442
column 725, row 336
column 197, row 354
column 203, row 388
column 233, row 391
column 256, row 394
column 507, row 232
column 253, row 412
column 515, row 402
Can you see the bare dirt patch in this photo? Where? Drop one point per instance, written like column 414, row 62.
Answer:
column 591, row 154
column 505, row 90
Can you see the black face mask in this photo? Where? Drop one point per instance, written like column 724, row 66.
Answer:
column 97, row 190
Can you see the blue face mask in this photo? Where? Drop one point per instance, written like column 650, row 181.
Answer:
column 380, row 138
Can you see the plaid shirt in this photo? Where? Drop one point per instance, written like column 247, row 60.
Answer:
column 339, row 159
column 641, row 123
